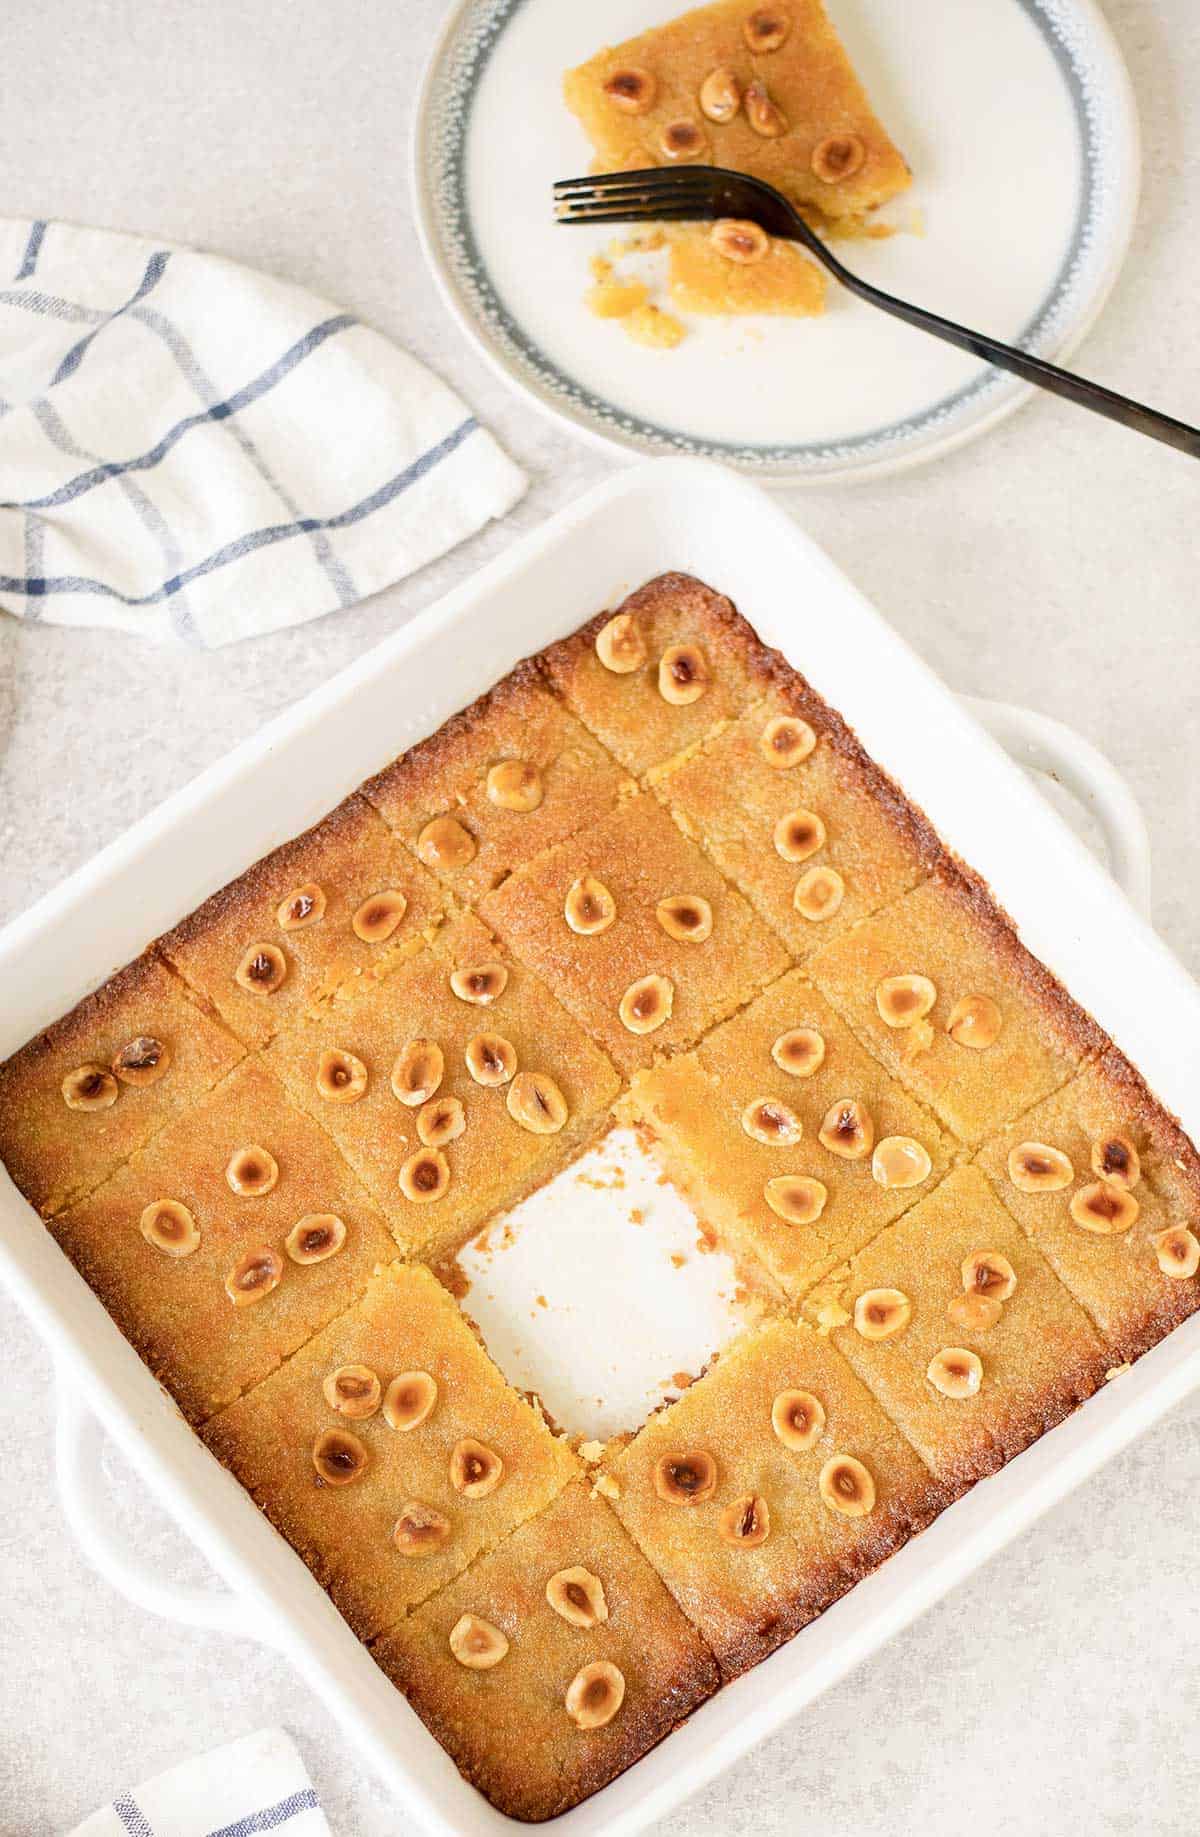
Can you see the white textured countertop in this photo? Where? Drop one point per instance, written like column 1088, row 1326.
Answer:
column 1052, row 564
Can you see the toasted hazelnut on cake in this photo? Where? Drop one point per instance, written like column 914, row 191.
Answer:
column 262, row 970
column 170, row 1227
column 475, row 1471
column 353, row 1391
column 987, row 1272
column 685, row 1479
column 339, row 1457
column 425, row 1176
column 589, row 907
column 1115, row 1159
column 514, row 784
column 1103, row 1208
column 847, row 1130
column 899, row 1161
column 646, row 1004
column 818, row 893
column 721, row 95
column 314, row 1237
column 535, row 1102
column 476, row 1643
column 904, row 1000
column 800, row 1052
column 798, row 1419
column 409, row 1400
column 846, row 1486
column 253, row 1276
column 341, row 1078
column 798, row 835
column 739, row 241
column 142, row 1061
column 577, row 1596
column 745, row 1523
column 795, row 1198
column 785, row 741
column 420, row 1530
column 441, row 1120
column 490, row 1058
column 418, row 1071
column 445, row 843
column 1034, row 1167
column 252, row 1172
column 682, row 140
column 595, row 1694
column 631, row 90
column 955, row 1372
column 772, row 1122
column 682, row 674
column 306, row 906
column 764, row 115
column 881, row 1313
column 378, row 917
column 480, row 983
column 686, row 917
column 838, row 156
column 90, row 1087
column 1177, row 1251
column 974, row 1022
column 766, row 29
column 620, row 645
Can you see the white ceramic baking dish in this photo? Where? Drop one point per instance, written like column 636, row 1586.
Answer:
column 671, row 514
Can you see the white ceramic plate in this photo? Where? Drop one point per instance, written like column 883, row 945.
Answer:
column 1019, row 123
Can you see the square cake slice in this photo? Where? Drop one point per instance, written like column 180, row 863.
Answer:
column 596, row 1663
column 768, row 1490
column 224, row 1244
column 1109, row 1189
column 389, row 1451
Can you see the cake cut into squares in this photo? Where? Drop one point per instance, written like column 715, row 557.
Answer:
column 677, row 947
column 975, row 1026
column 459, row 1144
column 1132, row 1253
column 702, row 279
column 88, row 1091
column 566, row 1592
column 333, row 906
column 508, row 777
column 194, row 1249
column 791, row 809
column 768, row 1490
column 962, row 1330
column 680, row 661
column 732, row 1124
column 424, row 1459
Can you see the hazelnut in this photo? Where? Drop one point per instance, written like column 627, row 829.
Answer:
column 314, row 1237
column 142, row 1061
column 417, row 1073
column 772, row 1122
column 253, row 1276
column 262, row 970
column 955, row 1372
column 595, row 1694
column 90, row 1087
column 1178, row 1252
column 881, row 1313
column 899, row 1161
column 476, row 1643
column 798, row 835
column 686, row 917
column 1035, row 1168
column 795, row 1198
column 904, row 1000
column 846, row 1486
column 721, row 95
column 764, row 116
column 339, row 1457
column 838, row 156
column 682, row 674
column 341, row 1078
column 306, row 906
column 785, row 741
column 425, row 1176
column 798, row 1419
column 1104, row 1209
column 986, row 1272
column 620, row 645
column 490, row 1058
column 1115, row 1159
column 440, row 1121
column 646, row 1004
column 480, row 983
column 974, row 1022
column 409, row 1400
column 685, row 1479
column 847, row 1130
column 978, row 1313
column 170, row 1227
column 800, row 1052
column 590, row 908
column 535, row 1102
column 682, row 140
column 475, row 1471
column 739, row 241
column 354, row 1391
column 766, row 29
column 252, row 1172
column 514, row 784
column 632, row 90
column 818, row 893
column 419, row 1530
column 445, row 843
column 378, row 917
column 746, row 1523
column 577, row 1596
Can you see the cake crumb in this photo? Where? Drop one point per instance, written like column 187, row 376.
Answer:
column 606, row 1487
column 1116, row 1371
column 682, row 1380
column 636, row 1216
column 591, row 1452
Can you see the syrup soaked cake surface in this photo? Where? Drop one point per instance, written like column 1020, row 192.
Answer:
column 650, row 877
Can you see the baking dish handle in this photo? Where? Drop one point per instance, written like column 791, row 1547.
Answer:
column 1042, row 744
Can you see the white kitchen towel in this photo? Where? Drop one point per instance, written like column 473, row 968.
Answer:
column 256, row 1784
column 192, row 450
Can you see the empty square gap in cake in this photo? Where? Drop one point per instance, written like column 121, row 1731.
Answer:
column 600, row 1292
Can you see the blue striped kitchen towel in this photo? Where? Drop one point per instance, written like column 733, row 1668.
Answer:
column 256, row 1784
column 192, row 450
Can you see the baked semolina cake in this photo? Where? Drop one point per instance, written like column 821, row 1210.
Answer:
column 650, row 877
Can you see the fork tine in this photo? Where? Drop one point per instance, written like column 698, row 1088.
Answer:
column 631, row 213
column 602, row 181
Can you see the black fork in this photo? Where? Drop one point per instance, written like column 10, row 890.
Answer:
column 699, row 193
